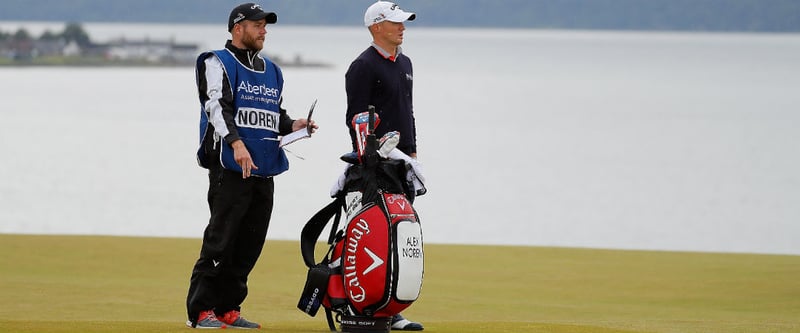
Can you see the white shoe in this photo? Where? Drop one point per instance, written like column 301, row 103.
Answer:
column 402, row 324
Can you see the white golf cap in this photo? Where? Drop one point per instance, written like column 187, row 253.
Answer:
column 386, row 11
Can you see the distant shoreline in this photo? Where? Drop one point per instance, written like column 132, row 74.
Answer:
column 73, row 46
column 101, row 62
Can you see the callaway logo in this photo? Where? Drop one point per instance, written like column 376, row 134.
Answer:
column 399, row 199
column 216, row 263
column 376, row 261
column 240, row 16
column 356, row 290
column 382, row 16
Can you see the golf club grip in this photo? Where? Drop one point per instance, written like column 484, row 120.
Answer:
column 371, row 124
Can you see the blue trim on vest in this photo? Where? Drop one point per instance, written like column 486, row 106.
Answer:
column 257, row 116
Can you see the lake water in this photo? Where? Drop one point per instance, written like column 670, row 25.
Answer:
column 625, row 140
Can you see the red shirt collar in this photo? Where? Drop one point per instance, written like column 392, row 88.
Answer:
column 387, row 55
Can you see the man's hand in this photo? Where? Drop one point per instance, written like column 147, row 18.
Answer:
column 303, row 123
column 242, row 157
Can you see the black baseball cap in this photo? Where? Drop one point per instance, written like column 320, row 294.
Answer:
column 250, row 11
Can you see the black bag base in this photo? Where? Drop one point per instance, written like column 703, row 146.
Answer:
column 357, row 324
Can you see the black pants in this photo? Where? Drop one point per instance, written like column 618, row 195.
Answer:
column 232, row 242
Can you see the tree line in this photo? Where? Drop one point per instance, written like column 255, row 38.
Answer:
column 72, row 32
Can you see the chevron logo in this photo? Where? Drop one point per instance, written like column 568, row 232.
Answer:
column 376, row 261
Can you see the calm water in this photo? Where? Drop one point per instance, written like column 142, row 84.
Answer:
column 666, row 141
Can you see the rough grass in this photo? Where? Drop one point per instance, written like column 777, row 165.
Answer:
column 130, row 284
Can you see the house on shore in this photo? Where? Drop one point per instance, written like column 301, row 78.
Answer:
column 121, row 51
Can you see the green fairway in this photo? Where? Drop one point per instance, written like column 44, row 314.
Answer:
column 130, row 284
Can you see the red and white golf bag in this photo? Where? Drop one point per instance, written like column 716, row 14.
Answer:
column 374, row 265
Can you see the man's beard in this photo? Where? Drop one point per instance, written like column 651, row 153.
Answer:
column 251, row 43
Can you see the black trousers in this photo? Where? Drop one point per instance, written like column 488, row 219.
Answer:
column 232, row 242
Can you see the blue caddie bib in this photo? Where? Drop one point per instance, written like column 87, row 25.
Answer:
column 256, row 98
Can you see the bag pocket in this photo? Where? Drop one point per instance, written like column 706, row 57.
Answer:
column 315, row 289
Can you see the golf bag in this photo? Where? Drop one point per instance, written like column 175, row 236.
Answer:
column 374, row 265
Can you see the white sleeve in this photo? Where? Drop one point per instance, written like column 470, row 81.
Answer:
column 214, row 76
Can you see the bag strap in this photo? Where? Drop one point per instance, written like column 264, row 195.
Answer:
column 314, row 226
column 329, row 317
